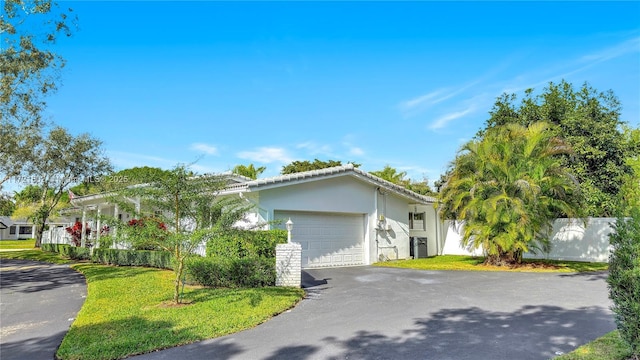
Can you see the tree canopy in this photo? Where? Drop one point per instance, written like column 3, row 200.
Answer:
column 306, row 165
column 508, row 187
column 30, row 70
column 394, row 176
column 249, row 171
column 589, row 121
column 61, row 159
column 119, row 179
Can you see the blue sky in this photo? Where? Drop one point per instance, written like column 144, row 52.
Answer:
column 377, row 83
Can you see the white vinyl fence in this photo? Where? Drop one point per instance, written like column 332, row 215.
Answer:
column 570, row 240
column 56, row 235
column 60, row 236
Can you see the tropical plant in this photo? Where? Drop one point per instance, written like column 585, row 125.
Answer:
column 249, row 171
column 306, row 165
column 179, row 212
column 589, row 122
column 507, row 188
column 624, row 278
column 76, row 232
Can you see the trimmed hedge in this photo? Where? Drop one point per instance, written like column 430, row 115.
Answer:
column 236, row 243
column 233, row 273
column 68, row 251
column 157, row 259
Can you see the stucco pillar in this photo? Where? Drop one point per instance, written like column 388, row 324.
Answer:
column 289, row 265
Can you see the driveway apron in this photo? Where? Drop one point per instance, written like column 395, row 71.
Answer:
column 383, row 313
column 38, row 303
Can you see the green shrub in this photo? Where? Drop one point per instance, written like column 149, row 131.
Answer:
column 68, row 251
column 235, row 243
column 624, row 278
column 232, row 273
column 157, row 259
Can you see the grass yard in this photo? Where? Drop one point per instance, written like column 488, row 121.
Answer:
column 471, row 263
column 17, row 244
column 127, row 310
column 608, row 347
column 36, row 255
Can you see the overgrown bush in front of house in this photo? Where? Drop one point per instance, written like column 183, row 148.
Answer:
column 157, row 259
column 624, row 279
column 233, row 272
column 235, row 243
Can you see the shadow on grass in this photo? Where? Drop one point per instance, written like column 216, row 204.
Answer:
column 255, row 296
column 118, row 338
column 96, row 272
column 36, row 276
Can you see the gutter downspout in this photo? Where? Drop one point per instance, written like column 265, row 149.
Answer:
column 375, row 222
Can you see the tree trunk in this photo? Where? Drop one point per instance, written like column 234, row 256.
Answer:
column 179, row 269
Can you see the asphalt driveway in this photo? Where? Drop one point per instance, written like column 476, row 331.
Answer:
column 38, row 303
column 383, row 313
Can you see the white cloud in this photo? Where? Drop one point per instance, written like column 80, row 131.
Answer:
column 356, row 151
column 442, row 121
column 315, row 149
column 266, row 155
column 205, row 148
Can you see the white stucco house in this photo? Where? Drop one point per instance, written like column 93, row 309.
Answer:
column 21, row 229
column 342, row 216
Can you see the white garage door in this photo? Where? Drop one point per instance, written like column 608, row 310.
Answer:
column 327, row 239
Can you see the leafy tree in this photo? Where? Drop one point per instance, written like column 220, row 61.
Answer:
column 624, row 278
column 119, row 179
column 306, row 165
column 392, row 175
column 589, row 121
column 508, row 187
column 629, row 196
column 178, row 212
column 249, row 171
column 7, row 205
column 61, row 160
column 29, row 71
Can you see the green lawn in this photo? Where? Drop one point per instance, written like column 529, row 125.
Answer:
column 36, row 255
column 471, row 263
column 127, row 310
column 608, row 347
column 17, row 244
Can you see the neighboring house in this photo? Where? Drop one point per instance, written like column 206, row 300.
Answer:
column 342, row 216
column 19, row 229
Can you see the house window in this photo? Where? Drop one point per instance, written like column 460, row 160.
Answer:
column 416, row 221
column 25, row 230
column 12, row 230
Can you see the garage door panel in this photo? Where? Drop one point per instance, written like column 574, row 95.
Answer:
column 327, row 239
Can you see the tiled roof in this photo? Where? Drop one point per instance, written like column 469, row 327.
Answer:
column 348, row 169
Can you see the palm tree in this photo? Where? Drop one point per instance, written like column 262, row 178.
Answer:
column 508, row 187
column 392, row 175
column 249, row 171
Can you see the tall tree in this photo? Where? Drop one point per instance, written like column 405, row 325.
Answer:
column 589, row 121
column 118, row 180
column 7, row 205
column 392, row 175
column 306, row 165
column 508, row 187
column 177, row 213
column 30, row 70
column 249, row 171
column 629, row 196
column 62, row 160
